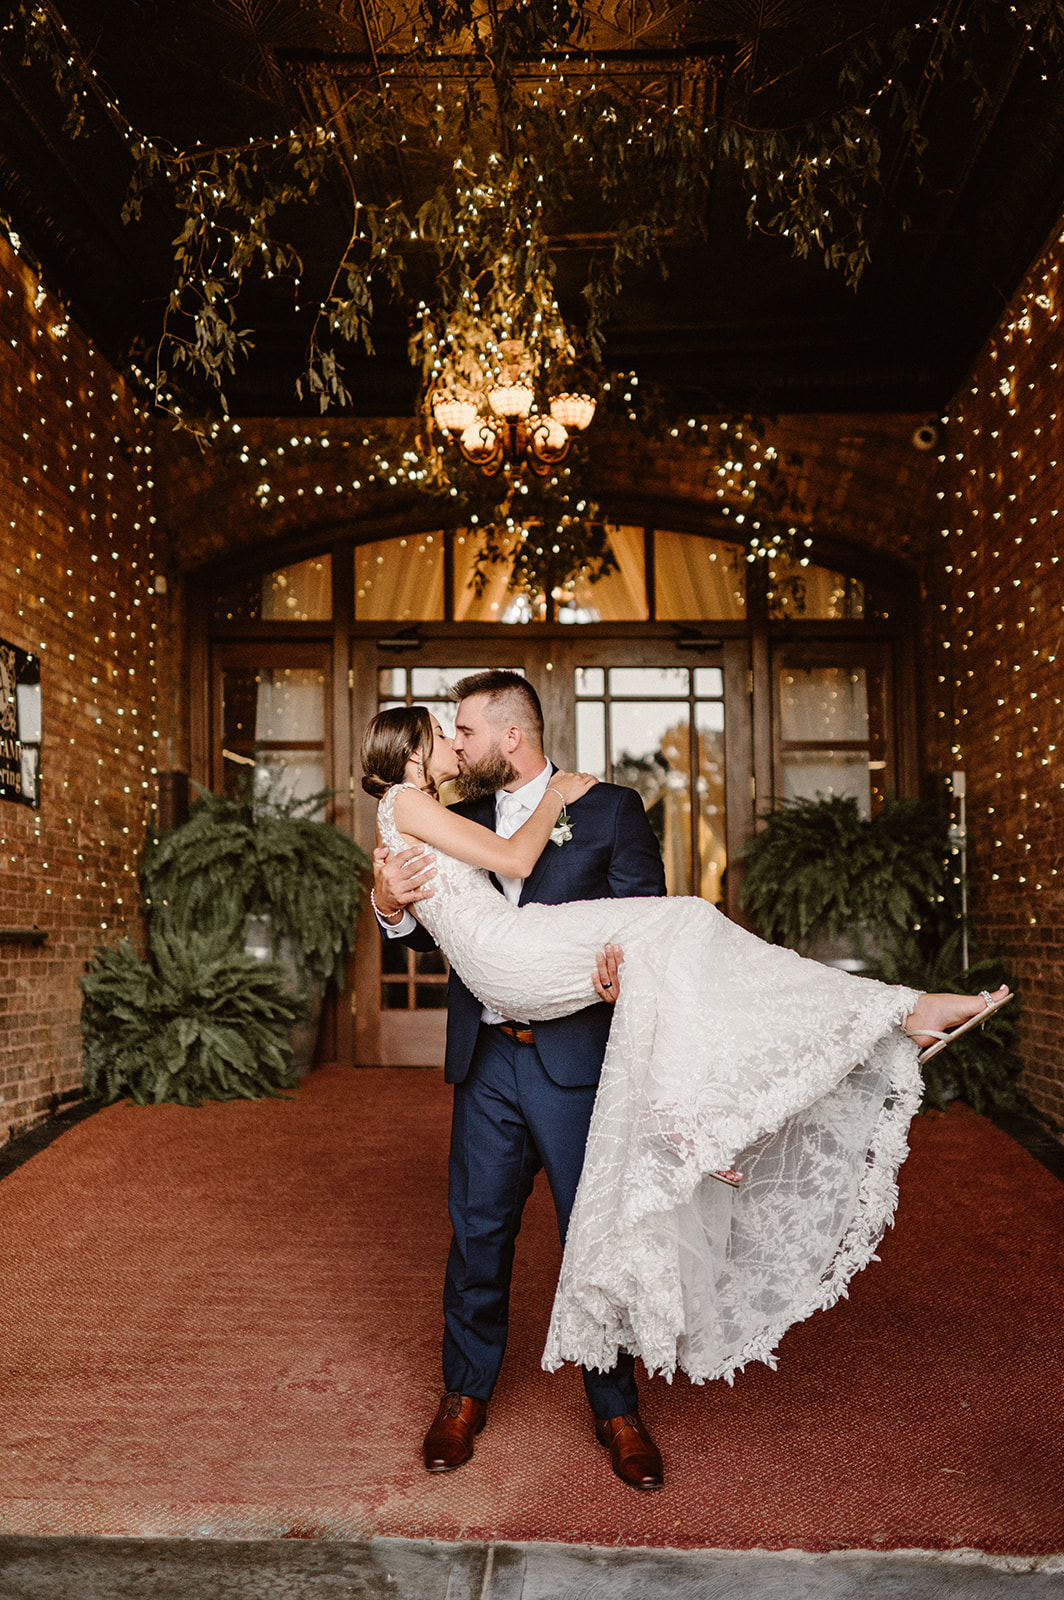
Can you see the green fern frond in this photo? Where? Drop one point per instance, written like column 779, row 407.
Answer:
column 196, row 1021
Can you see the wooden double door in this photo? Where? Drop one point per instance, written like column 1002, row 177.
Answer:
column 670, row 721
column 703, row 728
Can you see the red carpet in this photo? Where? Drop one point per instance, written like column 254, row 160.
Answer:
column 226, row 1322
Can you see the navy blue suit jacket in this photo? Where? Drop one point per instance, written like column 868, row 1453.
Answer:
column 612, row 854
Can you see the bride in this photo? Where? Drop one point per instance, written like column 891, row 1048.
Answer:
column 728, row 1058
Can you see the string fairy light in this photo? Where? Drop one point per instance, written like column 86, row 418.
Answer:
column 1000, row 470
column 81, row 529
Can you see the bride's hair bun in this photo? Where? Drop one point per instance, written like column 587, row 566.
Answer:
column 390, row 740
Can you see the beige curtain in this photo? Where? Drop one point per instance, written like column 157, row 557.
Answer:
column 400, row 580
column 621, row 597
column 300, row 593
column 698, row 578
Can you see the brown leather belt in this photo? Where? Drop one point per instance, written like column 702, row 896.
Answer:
column 522, row 1035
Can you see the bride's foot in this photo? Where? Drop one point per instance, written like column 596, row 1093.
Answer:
column 729, row 1176
column 939, row 1018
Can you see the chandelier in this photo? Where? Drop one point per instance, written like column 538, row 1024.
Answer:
column 505, row 425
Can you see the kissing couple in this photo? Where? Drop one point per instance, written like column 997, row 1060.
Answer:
column 721, row 1121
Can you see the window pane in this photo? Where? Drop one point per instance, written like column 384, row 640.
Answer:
column 823, row 703
column 400, row 580
column 434, row 683
column 698, row 579
column 671, row 681
column 590, row 680
column 709, row 683
column 712, row 848
column 797, row 591
column 300, row 593
column 710, row 715
column 591, row 738
column 289, row 774
column 496, row 602
column 651, row 752
column 290, row 703
column 809, row 773
column 391, row 681
column 284, row 708
column 620, row 596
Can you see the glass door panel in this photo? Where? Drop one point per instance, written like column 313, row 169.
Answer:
column 270, row 718
column 660, row 730
column 832, row 720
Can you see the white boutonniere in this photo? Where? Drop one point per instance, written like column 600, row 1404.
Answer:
column 562, row 830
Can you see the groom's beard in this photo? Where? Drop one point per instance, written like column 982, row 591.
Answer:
column 477, row 779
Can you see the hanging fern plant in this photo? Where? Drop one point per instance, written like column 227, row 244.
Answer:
column 245, row 856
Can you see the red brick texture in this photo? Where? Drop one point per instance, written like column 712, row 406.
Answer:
column 995, row 620
column 76, row 589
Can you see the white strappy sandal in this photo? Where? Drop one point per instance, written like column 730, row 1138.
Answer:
column 990, row 1005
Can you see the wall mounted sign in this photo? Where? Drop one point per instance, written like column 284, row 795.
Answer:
column 20, row 725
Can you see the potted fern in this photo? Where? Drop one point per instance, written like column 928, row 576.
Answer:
column 197, row 1020
column 819, row 874
column 253, row 905
column 876, row 895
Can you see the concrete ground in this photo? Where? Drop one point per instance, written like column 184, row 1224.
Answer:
column 407, row 1569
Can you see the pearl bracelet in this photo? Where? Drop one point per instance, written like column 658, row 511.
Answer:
column 384, row 915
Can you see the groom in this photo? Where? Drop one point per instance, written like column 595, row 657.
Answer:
column 523, row 1092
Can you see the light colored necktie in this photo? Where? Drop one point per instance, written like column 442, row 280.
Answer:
column 508, row 815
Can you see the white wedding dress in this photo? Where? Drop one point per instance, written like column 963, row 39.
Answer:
column 723, row 1051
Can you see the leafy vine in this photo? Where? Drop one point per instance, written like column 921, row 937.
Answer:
column 534, row 131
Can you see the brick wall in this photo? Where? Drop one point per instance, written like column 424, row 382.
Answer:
column 995, row 616
column 859, row 478
column 76, row 589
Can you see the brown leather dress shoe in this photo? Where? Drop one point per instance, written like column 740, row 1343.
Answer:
column 456, row 1424
column 634, row 1456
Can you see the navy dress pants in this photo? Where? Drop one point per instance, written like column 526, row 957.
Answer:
column 509, row 1120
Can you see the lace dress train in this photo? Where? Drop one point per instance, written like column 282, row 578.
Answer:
column 723, row 1051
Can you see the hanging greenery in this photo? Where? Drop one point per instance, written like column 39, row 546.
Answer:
column 580, row 133
column 248, row 855
column 518, row 131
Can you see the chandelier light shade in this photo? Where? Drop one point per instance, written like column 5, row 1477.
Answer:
column 480, row 443
column 549, row 439
column 453, row 412
column 573, row 411
column 512, row 402
column 504, row 424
